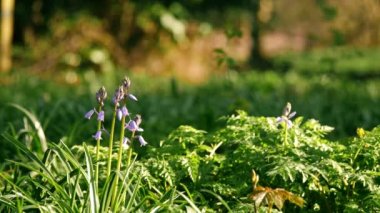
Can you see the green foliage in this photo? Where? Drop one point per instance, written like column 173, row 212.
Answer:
column 36, row 128
column 343, row 62
column 336, row 101
column 201, row 170
column 64, row 181
column 324, row 172
column 222, row 58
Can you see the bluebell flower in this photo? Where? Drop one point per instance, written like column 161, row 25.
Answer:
column 89, row 114
column 132, row 126
column 286, row 116
column 119, row 114
column 101, row 116
column 142, row 141
column 98, row 135
column 124, row 111
column 132, row 97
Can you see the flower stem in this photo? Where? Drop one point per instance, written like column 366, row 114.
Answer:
column 119, row 158
column 111, row 142
column 130, row 149
column 97, row 151
column 121, row 144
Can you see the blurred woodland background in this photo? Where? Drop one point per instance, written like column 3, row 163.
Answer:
column 186, row 39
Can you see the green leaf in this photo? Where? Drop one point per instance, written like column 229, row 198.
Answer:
column 37, row 125
column 94, row 200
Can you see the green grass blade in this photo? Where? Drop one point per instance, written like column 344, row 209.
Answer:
column 57, row 193
column 41, row 170
column 68, row 156
column 7, row 202
column 107, row 193
column 37, row 125
column 20, row 192
column 75, row 191
column 133, row 195
column 190, row 202
column 91, row 181
column 219, row 198
column 27, row 152
column 57, row 199
column 56, row 186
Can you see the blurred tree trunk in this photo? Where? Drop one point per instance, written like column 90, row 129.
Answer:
column 7, row 8
column 256, row 60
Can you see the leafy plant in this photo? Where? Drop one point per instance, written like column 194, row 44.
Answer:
column 307, row 164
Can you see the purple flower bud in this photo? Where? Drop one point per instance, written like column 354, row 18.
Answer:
column 119, row 94
column 119, row 114
column 132, row 97
column 124, row 111
column 138, row 119
column 101, row 116
column 142, row 141
column 101, row 95
column 126, row 84
column 287, row 109
column 89, row 114
column 98, row 135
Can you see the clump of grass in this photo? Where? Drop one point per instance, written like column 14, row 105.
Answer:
column 86, row 179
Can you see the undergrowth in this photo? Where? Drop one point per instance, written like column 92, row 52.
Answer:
column 191, row 170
